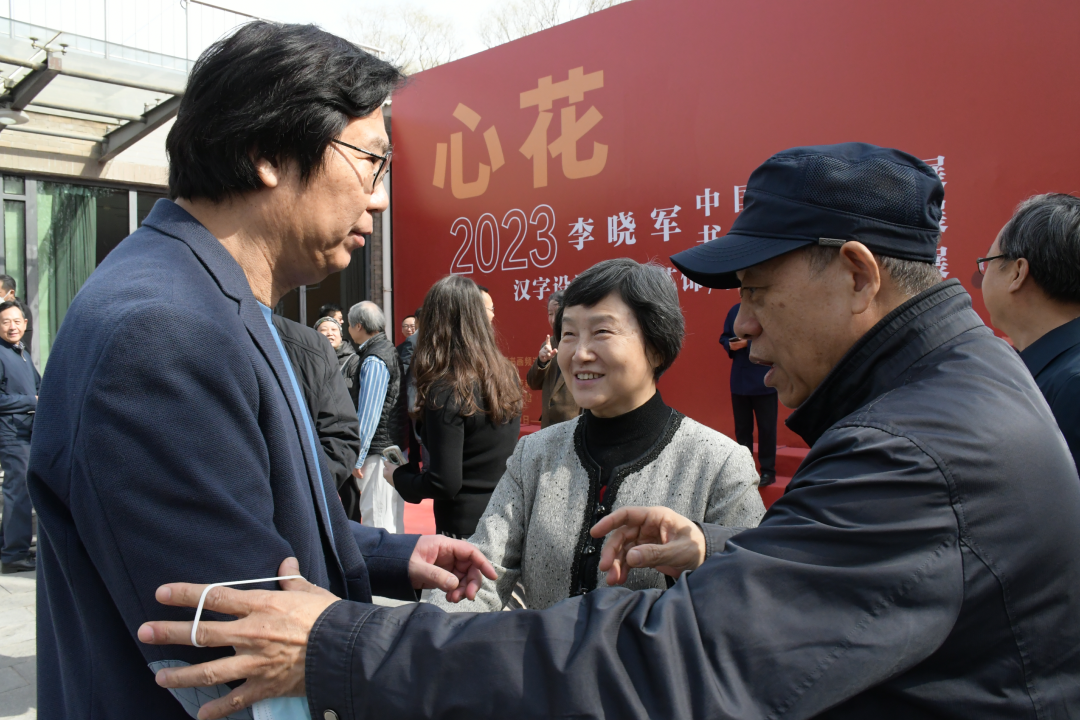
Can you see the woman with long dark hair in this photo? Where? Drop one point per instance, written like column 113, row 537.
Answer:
column 468, row 408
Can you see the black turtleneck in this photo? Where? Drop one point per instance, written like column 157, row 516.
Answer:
column 615, row 441
column 611, row 443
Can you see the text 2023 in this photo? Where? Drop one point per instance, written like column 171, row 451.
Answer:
column 484, row 241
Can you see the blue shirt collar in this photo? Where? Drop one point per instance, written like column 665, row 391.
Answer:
column 1044, row 350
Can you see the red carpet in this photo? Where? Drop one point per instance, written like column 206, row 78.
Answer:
column 420, row 519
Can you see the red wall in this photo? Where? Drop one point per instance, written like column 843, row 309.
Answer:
column 695, row 94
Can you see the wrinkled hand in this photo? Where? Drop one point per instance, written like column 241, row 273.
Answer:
column 655, row 537
column 454, row 566
column 270, row 639
column 358, row 473
column 547, row 351
column 388, row 471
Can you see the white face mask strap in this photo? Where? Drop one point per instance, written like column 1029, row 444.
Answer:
column 202, row 598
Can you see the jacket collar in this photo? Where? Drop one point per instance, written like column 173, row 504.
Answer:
column 1047, row 348
column 874, row 364
column 170, row 219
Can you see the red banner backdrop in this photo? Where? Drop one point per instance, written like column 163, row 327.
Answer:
column 631, row 132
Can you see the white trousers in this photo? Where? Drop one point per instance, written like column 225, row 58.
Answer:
column 380, row 504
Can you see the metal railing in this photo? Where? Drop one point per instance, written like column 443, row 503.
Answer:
column 168, row 34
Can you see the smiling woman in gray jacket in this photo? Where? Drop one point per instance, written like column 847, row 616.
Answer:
column 619, row 330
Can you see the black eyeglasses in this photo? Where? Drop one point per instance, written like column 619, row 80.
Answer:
column 383, row 164
column 981, row 262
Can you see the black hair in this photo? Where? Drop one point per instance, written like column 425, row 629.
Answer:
column 1045, row 231
column 557, row 297
column 481, row 288
column 649, row 291
column 8, row 304
column 7, row 283
column 282, row 91
column 330, row 307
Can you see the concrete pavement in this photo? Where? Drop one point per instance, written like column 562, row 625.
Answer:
column 18, row 646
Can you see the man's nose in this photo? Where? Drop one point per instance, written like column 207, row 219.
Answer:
column 746, row 325
column 380, row 199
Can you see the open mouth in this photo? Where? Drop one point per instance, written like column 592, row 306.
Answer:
column 587, row 376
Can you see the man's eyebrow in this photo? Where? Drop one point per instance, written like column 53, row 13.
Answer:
column 380, row 146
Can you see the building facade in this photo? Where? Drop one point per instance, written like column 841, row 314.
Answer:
column 90, row 90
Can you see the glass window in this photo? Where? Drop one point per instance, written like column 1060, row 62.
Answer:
column 15, row 243
column 145, row 204
column 77, row 225
column 14, row 185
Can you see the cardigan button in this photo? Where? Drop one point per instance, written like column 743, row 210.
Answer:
column 330, row 715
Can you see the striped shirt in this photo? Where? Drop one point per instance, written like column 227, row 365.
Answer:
column 374, row 380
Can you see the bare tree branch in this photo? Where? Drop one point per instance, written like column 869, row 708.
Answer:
column 409, row 37
column 518, row 18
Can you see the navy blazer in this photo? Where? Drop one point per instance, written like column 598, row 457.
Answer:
column 167, row 447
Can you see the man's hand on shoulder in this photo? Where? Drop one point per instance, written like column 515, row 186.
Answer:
column 454, row 566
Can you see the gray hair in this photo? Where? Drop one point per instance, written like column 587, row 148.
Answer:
column 368, row 316
column 1045, row 231
column 911, row 277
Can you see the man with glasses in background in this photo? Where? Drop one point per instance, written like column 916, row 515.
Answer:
column 1031, row 287
column 407, row 346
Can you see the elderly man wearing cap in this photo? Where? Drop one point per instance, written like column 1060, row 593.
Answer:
column 923, row 562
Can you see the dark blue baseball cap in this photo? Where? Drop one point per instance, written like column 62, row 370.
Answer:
column 826, row 195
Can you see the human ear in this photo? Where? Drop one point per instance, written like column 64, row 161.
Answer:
column 1021, row 273
column 652, row 356
column 268, row 170
column 861, row 274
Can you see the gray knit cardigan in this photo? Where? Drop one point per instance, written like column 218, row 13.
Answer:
column 535, row 524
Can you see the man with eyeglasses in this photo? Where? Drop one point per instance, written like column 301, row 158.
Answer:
column 192, row 453
column 408, row 345
column 1031, row 287
column 19, row 385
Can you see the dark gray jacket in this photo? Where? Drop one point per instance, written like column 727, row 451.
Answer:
column 924, row 562
column 327, row 398
column 391, row 429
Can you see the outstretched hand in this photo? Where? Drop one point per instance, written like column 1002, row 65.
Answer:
column 654, row 537
column 454, row 566
column 270, row 639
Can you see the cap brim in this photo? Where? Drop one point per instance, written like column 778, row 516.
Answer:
column 715, row 263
